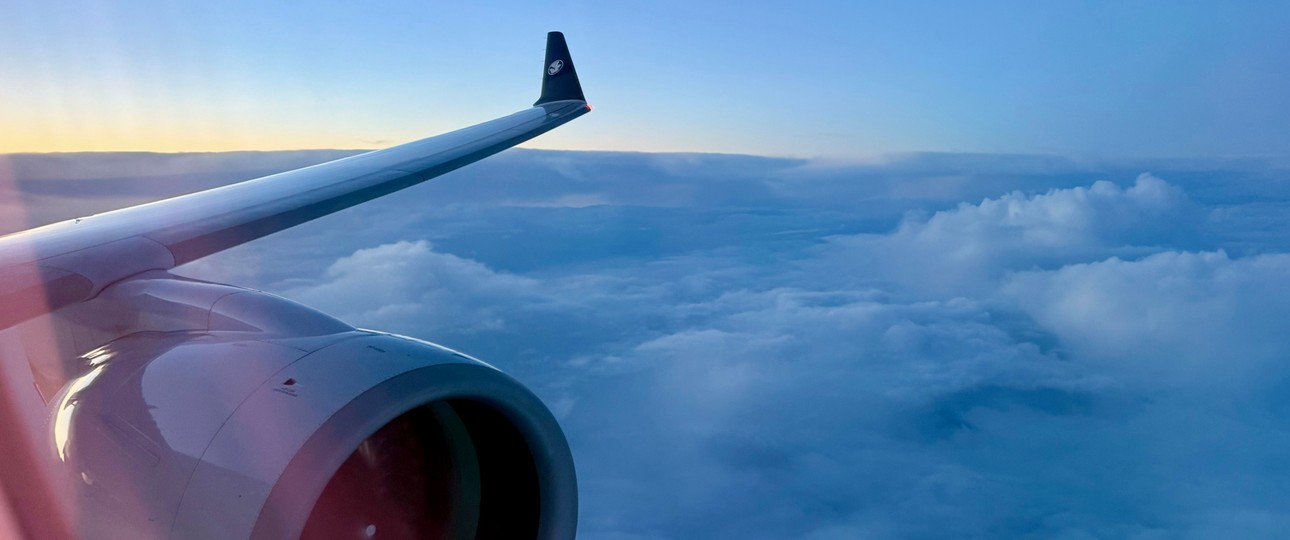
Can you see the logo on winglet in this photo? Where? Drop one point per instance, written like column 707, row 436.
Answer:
column 555, row 67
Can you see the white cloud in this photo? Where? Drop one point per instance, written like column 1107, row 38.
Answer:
column 742, row 348
column 903, row 384
column 966, row 249
column 407, row 287
column 1202, row 318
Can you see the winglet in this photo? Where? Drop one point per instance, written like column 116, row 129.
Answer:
column 559, row 79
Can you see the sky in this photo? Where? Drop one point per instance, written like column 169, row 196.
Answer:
column 837, row 80
column 740, row 347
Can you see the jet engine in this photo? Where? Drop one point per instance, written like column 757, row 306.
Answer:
column 221, row 412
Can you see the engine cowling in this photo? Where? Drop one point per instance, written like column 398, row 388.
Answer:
column 255, row 417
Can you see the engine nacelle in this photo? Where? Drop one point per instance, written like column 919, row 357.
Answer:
column 289, row 423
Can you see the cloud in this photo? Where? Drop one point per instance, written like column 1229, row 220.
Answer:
column 965, row 250
column 930, row 346
column 1201, row 318
column 1046, row 364
column 392, row 285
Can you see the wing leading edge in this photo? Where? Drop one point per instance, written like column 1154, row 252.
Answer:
column 57, row 265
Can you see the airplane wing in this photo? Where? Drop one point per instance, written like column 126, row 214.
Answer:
column 50, row 267
column 138, row 404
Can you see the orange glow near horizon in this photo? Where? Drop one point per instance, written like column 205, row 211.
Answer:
column 159, row 135
column 163, row 144
column 225, row 129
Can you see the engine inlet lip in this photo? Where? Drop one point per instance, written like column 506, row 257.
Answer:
column 291, row 500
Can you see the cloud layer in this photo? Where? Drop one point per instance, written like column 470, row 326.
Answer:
column 928, row 347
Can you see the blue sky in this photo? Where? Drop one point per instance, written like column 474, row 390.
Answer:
column 840, row 80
